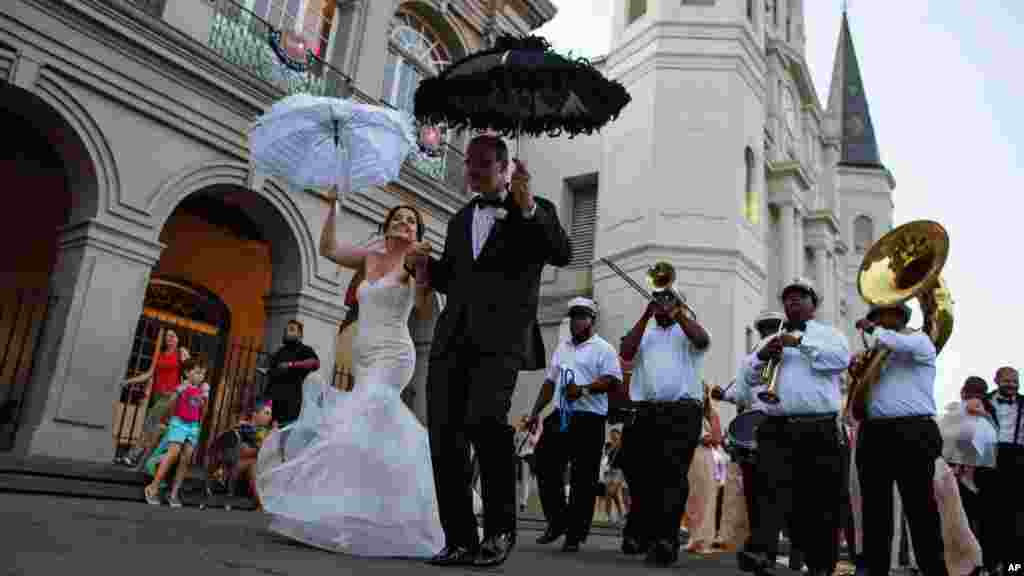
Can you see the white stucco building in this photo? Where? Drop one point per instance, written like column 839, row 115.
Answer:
column 135, row 205
column 726, row 164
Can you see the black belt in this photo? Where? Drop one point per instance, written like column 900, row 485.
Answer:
column 898, row 419
column 639, row 405
column 803, row 418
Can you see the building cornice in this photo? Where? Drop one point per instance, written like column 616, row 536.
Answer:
column 789, row 168
column 865, row 171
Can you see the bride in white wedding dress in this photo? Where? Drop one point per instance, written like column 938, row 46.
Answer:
column 353, row 473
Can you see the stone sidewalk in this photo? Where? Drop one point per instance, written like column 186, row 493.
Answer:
column 48, row 535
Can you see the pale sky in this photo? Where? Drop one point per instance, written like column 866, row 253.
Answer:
column 943, row 85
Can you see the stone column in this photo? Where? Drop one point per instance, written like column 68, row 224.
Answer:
column 801, row 253
column 821, row 283
column 320, row 320
column 787, row 235
column 370, row 50
column 97, row 289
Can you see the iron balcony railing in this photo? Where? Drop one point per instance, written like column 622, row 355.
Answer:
column 243, row 38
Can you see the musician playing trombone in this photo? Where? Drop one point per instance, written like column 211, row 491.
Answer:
column 666, row 349
column 799, row 441
column 900, row 421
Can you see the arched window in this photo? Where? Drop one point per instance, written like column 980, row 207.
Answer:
column 863, row 233
column 415, row 52
column 751, row 200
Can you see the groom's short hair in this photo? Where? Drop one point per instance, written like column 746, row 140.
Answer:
column 495, row 142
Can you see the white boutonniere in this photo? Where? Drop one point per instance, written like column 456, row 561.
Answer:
column 500, row 213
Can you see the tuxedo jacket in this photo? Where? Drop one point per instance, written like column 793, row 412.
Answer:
column 492, row 300
column 1019, row 401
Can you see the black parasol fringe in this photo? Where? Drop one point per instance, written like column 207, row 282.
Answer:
column 469, row 101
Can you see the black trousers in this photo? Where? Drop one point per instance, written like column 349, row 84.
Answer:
column 468, row 398
column 798, row 476
column 900, row 450
column 658, row 447
column 1002, row 524
column 582, row 445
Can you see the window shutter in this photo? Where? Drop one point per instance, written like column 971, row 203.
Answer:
column 584, row 224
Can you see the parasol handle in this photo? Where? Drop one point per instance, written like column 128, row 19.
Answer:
column 337, row 138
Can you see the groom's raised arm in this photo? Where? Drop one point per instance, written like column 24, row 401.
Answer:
column 548, row 241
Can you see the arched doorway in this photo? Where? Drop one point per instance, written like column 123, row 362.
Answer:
column 52, row 182
column 228, row 248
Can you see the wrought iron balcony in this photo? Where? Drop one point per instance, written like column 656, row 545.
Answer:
column 244, row 39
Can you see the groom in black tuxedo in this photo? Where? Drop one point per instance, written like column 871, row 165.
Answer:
column 494, row 252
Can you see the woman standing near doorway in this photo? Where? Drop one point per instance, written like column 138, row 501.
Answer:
column 162, row 379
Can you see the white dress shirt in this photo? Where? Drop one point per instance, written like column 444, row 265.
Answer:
column 1007, row 416
column 667, row 366
column 741, row 393
column 906, row 386
column 483, row 222
column 808, row 377
column 591, row 360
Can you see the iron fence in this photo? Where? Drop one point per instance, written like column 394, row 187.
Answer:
column 22, row 317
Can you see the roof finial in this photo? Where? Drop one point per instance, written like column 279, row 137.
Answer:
column 846, row 6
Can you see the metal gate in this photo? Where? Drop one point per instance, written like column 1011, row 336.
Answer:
column 23, row 314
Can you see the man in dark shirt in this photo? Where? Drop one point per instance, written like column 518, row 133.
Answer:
column 289, row 366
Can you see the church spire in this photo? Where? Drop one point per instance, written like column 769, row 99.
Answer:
column 849, row 105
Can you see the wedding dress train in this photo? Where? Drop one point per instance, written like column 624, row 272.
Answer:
column 353, row 474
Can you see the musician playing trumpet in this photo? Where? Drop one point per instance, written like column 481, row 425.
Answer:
column 667, row 397
column 900, row 421
column 799, row 442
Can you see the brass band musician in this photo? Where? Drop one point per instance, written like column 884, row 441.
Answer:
column 798, row 443
column 900, row 421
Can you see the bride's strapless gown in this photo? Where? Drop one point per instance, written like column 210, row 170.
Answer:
column 356, row 475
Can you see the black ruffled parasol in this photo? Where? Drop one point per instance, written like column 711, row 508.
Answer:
column 521, row 87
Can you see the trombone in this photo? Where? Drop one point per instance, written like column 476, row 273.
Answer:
column 661, row 278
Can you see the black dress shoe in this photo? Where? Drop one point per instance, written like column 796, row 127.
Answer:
column 632, row 546
column 663, row 553
column 550, row 535
column 570, row 545
column 495, row 550
column 752, row 562
column 453, row 556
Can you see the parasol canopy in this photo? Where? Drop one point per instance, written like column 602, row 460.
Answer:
column 521, row 87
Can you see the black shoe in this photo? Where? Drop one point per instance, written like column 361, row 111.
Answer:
column 663, row 553
column 453, row 556
column 571, row 545
column 632, row 546
column 549, row 536
column 752, row 562
column 495, row 550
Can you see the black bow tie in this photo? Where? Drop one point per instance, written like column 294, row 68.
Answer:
column 791, row 326
column 485, row 202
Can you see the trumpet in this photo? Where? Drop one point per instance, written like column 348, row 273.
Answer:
column 661, row 278
column 770, row 372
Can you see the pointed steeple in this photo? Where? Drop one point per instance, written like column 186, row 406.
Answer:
column 848, row 104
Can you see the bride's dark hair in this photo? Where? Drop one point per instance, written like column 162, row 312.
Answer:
column 391, row 215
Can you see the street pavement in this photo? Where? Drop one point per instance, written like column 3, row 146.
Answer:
column 50, row 535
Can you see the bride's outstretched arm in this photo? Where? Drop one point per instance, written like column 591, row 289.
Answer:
column 343, row 254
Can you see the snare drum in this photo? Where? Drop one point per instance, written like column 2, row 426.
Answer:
column 742, row 435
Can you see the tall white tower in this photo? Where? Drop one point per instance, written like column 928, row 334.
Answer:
column 682, row 168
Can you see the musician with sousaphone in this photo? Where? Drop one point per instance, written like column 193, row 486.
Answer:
column 892, row 392
column 799, row 441
column 665, row 351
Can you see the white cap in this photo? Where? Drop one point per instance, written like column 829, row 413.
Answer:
column 581, row 302
column 803, row 284
column 769, row 316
